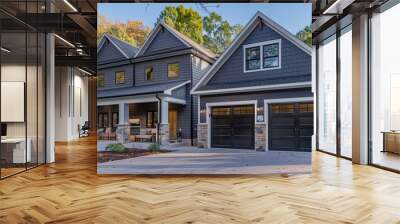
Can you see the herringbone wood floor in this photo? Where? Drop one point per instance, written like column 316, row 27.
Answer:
column 70, row 191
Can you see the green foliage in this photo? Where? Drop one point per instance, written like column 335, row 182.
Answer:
column 133, row 32
column 305, row 35
column 154, row 147
column 116, row 147
column 185, row 20
column 219, row 34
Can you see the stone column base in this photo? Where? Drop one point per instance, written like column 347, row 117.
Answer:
column 260, row 137
column 164, row 134
column 122, row 133
column 202, row 135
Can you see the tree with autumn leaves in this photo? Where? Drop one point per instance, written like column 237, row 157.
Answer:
column 212, row 31
column 133, row 32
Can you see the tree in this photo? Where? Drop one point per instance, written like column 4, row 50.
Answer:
column 185, row 20
column 133, row 32
column 219, row 34
column 305, row 35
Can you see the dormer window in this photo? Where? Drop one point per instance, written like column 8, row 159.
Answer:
column 262, row 56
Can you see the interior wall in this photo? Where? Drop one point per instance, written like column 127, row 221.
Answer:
column 71, row 102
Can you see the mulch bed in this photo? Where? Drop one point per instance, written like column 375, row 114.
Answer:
column 108, row 156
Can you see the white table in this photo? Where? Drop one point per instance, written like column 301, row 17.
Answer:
column 19, row 153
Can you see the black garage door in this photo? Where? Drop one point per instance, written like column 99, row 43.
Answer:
column 290, row 126
column 232, row 127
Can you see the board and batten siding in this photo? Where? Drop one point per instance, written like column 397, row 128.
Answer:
column 109, row 76
column 295, row 64
column 164, row 41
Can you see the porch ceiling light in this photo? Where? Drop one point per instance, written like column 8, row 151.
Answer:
column 70, row 5
column 64, row 40
column 5, row 50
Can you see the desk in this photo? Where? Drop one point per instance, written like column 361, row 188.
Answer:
column 391, row 141
column 16, row 147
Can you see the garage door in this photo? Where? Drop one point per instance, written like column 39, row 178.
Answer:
column 232, row 127
column 290, row 126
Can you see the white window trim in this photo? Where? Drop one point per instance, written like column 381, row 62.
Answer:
column 267, row 102
column 260, row 45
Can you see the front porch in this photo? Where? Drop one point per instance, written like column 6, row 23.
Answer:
column 142, row 120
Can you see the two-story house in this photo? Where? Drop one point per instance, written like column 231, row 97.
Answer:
column 258, row 94
column 144, row 94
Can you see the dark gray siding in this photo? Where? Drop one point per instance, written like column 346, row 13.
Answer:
column 164, row 41
column 180, row 93
column 259, row 96
column 199, row 68
column 161, row 70
column 109, row 53
column 295, row 65
column 109, row 76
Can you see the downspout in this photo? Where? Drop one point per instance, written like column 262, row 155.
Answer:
column 191, row 101
column 159, row 119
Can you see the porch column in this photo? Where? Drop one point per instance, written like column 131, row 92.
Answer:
column 164, row 127
column 360, row 90
column 123, row 127
column 123, row 113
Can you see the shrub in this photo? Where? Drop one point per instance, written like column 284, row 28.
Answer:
column 116, row 147
column 154, row 147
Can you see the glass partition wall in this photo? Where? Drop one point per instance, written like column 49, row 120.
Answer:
column 385, row 89
column 22, row 77
column 334, row 59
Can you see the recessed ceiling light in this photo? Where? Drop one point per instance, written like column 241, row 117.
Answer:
column 70, row 5
column 5, row 50
column 64, row 40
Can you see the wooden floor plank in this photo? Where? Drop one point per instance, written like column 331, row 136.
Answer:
column 70, row 191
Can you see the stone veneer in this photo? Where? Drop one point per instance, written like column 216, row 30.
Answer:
column 164, row 134
column 122, row 133
column 202, row 135
column 260, row 136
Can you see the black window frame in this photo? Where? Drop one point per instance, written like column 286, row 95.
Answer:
column 116, row 79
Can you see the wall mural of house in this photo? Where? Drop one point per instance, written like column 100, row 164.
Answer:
column 256, row 95
column 146, row 93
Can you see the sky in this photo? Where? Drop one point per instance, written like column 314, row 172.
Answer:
column 292, row 16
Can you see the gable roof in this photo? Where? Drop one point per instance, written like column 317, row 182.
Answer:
column 184, row 39
column 236, row 43
column 126, row 49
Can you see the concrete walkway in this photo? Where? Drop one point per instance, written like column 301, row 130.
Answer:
column 191, row 160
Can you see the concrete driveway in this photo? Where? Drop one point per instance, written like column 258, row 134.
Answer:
column 189, row 160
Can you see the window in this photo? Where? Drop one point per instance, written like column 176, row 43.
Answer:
column 253, row 58
column 149, row 72
column 100, row 80
column 115, row 119
column 102, row 120
column 119, row 77
column 262, row 56
column 173, row 70
column 283, row 108
column 271, row 55
column 152, row 119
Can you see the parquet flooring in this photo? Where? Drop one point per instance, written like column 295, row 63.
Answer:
column 70, row 191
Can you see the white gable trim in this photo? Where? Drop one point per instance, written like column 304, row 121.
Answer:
column 154, row 33
column 242, row 37
column 102, row 41
column 169, row 91
column 255, row 88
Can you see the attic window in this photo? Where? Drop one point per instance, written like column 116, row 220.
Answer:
column 262, row 56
